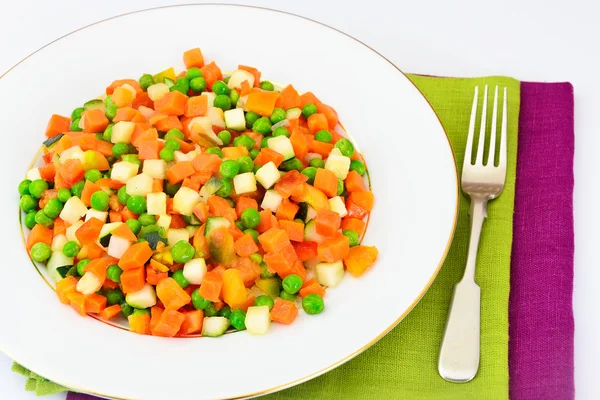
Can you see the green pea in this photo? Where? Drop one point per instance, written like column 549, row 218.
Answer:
column 53, row 208
column 291, row 164
column 309, row 110
column 134, row 225
column 245, row 141
column 30, row 219
column 263, row 300
column 63, row 195
column 77, row 188
column 167, row 154
column 114, row 296
column 122, row 195
column 238, row 319
column 37, row 188
column 81, row 266
column 40, row 252
column 199, row 302
column 28, row 203
column 24, row 187
column 358, row 166
column 265, row 273
column 250, row 218
column 174, row 133
column 110, row 112
column 252, row 233
column 287, row 296
column 71, row 249
column 225, row 189
column 114, row 272
column 99, row 200
column 240, row 225
column 246, row 164
column 143, row 311
column 172, row 144
column 292, row 283
column 75, row 125
column 225, row 137
column 311, row 172
column 126, row 309
column 264, row 142
column 352, row 237
column 145, row 82
column 215, row 150
column 234, row 96
column 251, row 117
column 340, row 187
column 262, row 125
column 147, row 219
column 277, row 115
column 180, row 279
column 324, row 136
column 219, row 87
column 182, row 252
column 253, row 154
column 108, row 101
column 193, row 72
column 345, row 146
column 210, row 311
column 313, row 304
column 223, row 102
column 136, row 204
column 229, row 168
column 317, row 163
column 171, row 190
column 180, row 88
column 256, row 257
column 133, row 158
column 42, row 219
column 184, row 84
column 93, row 175
column 266, row 85
column 281, row 131
column 76, row 114
column 225, row 311
column 120, row 149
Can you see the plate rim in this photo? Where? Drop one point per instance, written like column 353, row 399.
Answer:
column 416, row 300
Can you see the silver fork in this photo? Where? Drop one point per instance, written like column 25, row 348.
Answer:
column 459, row 353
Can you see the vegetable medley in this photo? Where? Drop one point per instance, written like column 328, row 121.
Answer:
column 191, row 203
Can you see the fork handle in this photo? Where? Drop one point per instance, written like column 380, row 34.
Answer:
column 459, row 352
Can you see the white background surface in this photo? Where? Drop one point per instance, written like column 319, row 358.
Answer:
column 533, row 40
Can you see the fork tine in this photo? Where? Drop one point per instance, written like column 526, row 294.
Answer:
column 479, row 158
column 492, row 151
column 471, row 133
column 502, row 162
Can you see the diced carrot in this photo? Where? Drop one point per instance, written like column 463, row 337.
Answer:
column 327, row 223
column 283, row 261
column 262, row 103
column 312, row 286
column 249, row 301
column 178, row 172
column 353, row 224
column 108, row 284
column 110, row 312
column 249, row 270
column 233, row 153
column 193, row 58
column 135, row 256
column 177, row 222
column 321, row 148
column 326, row 181
column 290, row 98
column 355, row 183
column 169, row 323
column 104, row 148
column 317, row 122
column 192, row 322
column 77, row 301
column 172, row 103
column 171, row 294
column 291, row 184
column 354, row 210
column 298, row 269
column 46, row 196
column 244, row 203
column 71, row 171
column 245, row 246
column 219, row 207
column 299, row 143
column 235, row 231
column 120, row 82
column 123, row 231
column 126, row 114
column 201, row 212
column 211, row 73
column 57, row 124
column 305, row 250
column 330, row 114
column 207, row 163
column 295, row 230
column 48, row 172
column 155, row 314
column 122, row 97
column 287, row 210
column 309, row 98
column 64, row 287
column 154, row 118
column 149, row 149
column 153, row 277
column 256, row 73
column 266, row 221
column 284, row 311
column 93, row 250
column 157, row 185
column 362, row 199
column 333, row 249
column 234, row 291
column 266, row 155
column 95, row 303
column 187, row 182
column 89, row 231
column 170, row 122
column 60, row 227
column 139, row 323
column 360, row 258
column 211, row 286
column 127, row 214
column 274, row 240
column 133, row 280
column 196, row 106
column 313, row 196
column 88, row 190
column 142, row 99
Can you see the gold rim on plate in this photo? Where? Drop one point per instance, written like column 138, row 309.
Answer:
column 385, row 331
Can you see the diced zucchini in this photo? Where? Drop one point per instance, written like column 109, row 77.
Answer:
column 244, row 183
column 124, row 170
column 239, row 76
column 194, row 270
column 338, row 164
column 282, row 145
column 272, row 200
column 191, row 230
column 143, row 298
column 156, row 169
column 310, row 232
column 156, row 203
column 153, row 238
column 234, row 119
column 185, row 200
column 73, row 209
column 330, row 274
column 293, row 113
column 268, row 174
column 117, row 246
column 213, row 223
column 57, row 259
column 94, row 105
column 122, row 132
column 213, row 185
column 48, row 143
column 258, row 320
column 271, row 286
column 337, row 204
column 214, row 326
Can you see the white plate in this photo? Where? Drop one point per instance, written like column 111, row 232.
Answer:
column 412, row 171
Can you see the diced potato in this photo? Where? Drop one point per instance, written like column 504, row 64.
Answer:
column 122, row 132
column 117, row 246
column 330, row 274
column 88, row 284
column 58, row 242
column 33, row 174
column 176, row 235
column 194, row 270
column 72, row 153
column 70, row 233
column 272, row 200
column 337, row 204
column 216, row 116
column 130, row 88
column 164, row 221
column 234, row 119
column 185, row 200
column 282, row 145
column 211, row 98
column 139, row 185
column 244, row 183
column 73, row 210
column 338, row 164
column 268, row 174
column 157, row 91
column 156, row 203
column 157, row 169
column 124, row 170
column 258, row 320
column 239, row 76
column 101, row 215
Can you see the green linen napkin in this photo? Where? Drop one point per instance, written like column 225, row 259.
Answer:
column 403, row 365
column 35, row 383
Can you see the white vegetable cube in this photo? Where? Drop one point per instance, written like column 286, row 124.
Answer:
column 157, row 91
column 143, row 298
column 122, row 131
column 33, row 174
column 185, row 200
column 272, row 200
column 124, row 170
column 73, row 210
column 130, row 88
column 211, row 98
column 330, row 274
column 70, row 233
column 258, row 320
column 282, row 145
column 164, row 221
column 58, row 242
column 139, row 185
column 117, row 246
column 234, row 119
column 156, row 169
column 101, row 215
column 338, row 164
column 337, row 204
column 108, row 228
column 156, row 203
column 194, row 270
column 241, row 103
column 72, row 153
column 180, row 156
column 88, row 284
column 239, row 76
column 216, row 116
column 244, row 183
column 268, row 174
column 177, row 235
